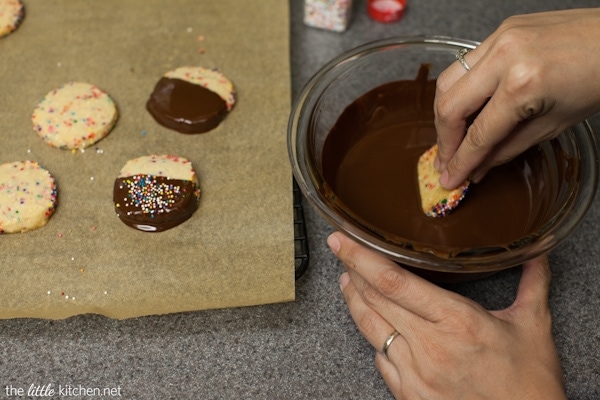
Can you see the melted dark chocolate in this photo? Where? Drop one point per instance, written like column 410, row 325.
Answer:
column 369, row 166
column 185, row 107
column 154, row 203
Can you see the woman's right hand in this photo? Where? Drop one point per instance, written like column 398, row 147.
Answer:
column 537, row 75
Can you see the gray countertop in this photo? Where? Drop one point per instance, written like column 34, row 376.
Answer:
column 310, row 348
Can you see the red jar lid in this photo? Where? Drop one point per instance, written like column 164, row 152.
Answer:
column 386, row 10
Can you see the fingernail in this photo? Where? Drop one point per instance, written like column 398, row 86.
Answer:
column 344, row 280
column 334, row 243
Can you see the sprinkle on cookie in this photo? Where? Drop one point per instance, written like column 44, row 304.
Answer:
column 150, row 195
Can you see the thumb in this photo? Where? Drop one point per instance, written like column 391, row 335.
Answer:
column 534, row 287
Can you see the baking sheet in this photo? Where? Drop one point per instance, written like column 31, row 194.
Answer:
column 238, row 248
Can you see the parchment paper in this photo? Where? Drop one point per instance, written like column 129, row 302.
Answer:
column 238, row 248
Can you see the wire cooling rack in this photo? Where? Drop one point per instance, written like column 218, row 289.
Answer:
column 300, row 238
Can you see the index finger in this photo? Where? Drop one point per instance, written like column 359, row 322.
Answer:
column 459, row 95
column 404, row 288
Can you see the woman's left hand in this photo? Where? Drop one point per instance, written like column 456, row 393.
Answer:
column 448, row 346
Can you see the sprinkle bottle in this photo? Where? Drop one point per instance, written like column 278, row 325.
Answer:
column 333, row 15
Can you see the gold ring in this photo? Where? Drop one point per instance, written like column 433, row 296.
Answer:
column 388, row 342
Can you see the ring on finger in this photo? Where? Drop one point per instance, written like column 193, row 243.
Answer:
column 460, row 56
column 388, row 342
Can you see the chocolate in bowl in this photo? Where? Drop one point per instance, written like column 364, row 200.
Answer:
column 369, row 167
column 355, row 161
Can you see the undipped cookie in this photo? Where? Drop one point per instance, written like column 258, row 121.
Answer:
column 435, row 200
column 28, row 196
column 155, row 193
column 11, row 15
column 191, row 99
column 74, row 116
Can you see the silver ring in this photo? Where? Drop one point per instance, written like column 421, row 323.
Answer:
column 460, row 56
column 388, row 342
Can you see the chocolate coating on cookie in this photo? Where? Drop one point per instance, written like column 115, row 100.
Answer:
column 154, row 203
column 186, row 107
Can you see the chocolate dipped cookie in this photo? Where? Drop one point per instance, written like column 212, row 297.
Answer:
column 155, row 193
column 191, row 99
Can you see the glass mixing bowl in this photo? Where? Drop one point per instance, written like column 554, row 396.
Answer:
column 357, row 71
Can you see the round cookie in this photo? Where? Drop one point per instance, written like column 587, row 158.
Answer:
column 191, row 99
column 155, row 193
column 74, row 116
column 28, row 196
column 11, row 15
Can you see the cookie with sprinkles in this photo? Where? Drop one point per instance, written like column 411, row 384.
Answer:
column 435, row 200
column 11, row 15
column 157, row 192
column 74, row 116
column 191, row 99
column 28, row 196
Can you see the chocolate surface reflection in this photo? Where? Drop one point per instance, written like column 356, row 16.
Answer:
column 369, row 165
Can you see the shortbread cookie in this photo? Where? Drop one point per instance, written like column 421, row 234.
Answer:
column 157, row 192
column 435, row 200
column 191, row 99
column 74, row 116
column 28, row 196
column 11, row 15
